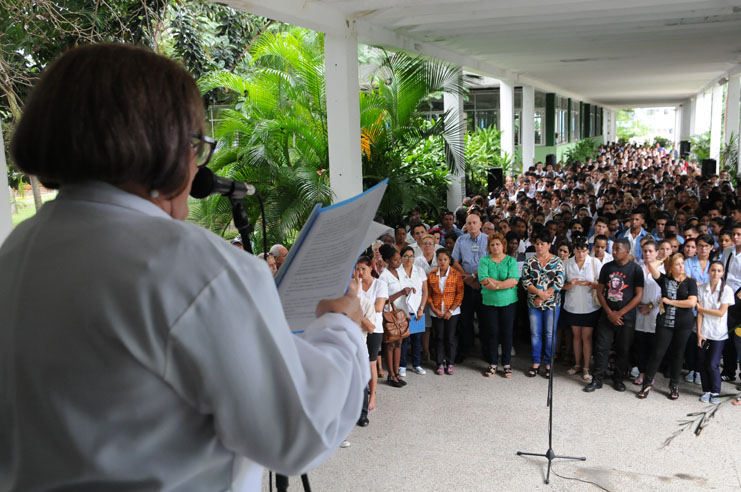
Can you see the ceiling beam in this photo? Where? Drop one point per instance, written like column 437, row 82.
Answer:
column 312, row 15
column 544, row 9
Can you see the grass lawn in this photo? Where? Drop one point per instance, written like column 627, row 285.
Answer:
column 26, row 208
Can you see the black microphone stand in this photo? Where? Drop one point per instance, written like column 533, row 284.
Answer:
column 550, row 455
column 242, row 222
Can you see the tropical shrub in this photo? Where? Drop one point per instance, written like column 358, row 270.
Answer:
column 580, row 151
column 700, row 146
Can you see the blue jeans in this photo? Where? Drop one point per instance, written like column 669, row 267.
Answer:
column 542, row 326
column 416, row 339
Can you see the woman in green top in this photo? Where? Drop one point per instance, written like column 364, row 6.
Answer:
column 498, row 276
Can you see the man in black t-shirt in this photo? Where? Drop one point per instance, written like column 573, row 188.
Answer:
column 620, row 291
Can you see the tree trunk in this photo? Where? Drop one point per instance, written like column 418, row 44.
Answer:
column 36, row 188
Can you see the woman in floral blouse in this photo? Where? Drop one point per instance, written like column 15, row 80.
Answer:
column 543, row 277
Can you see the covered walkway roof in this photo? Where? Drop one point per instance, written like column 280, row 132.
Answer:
column 619, row 54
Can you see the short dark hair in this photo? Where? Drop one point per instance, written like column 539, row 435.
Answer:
column 418, row 225
column 443, row 251
column 543, row 236
column 623, row 242
column 404, row 250
column 387, row 251
column 114, row 113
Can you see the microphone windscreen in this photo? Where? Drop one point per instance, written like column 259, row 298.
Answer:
column 203, row 183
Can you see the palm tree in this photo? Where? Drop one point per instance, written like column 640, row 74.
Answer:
column 276, row 135
column 391, row 126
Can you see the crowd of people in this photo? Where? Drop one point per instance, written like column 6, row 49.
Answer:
column 624, row 265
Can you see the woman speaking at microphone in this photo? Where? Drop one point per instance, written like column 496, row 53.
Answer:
column 137, row 351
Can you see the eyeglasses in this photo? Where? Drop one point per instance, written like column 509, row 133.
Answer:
column 204, row 147
column 406, row 257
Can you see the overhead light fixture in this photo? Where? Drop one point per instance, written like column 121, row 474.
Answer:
column 723, row 81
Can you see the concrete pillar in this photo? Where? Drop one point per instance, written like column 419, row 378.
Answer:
column 693, row 114
column 527, row 126
column 677, row 125
column 605, row 125
column 507, row 117
column 6, row 221
column 343, row 115
column 453, row 106
column 733, row 94
column 716, row 121
column 614, row 126
column 685, row 118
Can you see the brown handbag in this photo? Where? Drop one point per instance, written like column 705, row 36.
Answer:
column 395, row 324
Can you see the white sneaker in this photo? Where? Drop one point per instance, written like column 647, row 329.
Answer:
column 634, row 373
column 690, row 377
column 705, row 398
column 715, row 399
column 345, row 444
column 403, row 372
column 420, row 371
column 698, row 378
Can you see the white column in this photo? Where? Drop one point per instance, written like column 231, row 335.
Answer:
column 614, row 126
column 453, row 105
column 733, row 93
column 605, row 124
column 527, row 126
column 507, row 117
column 343, row 115
column 677, row 125
column 716, row 122
column 685, row 119
column 693, row 114
column 6, row 221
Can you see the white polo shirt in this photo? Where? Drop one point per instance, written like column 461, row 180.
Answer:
column 715, row 327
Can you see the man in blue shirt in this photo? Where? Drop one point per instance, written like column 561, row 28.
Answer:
column 469, row 249
column 447, row 226
column 635, row 233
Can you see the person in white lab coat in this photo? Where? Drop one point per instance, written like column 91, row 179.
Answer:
column 140, row 352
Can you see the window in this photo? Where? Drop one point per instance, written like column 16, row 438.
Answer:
column 538, row 126
column 575, row 121
column 562, row 110
column 539, row 118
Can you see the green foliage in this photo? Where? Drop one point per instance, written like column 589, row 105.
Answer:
column 391, row 128
column 729, row 157
column 628, row 127
column 581, row 150
column 276, row 135
column 700, row 146
column 483, row 151
column 664, row 142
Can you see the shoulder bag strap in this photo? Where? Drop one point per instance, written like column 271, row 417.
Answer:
column 728, row 262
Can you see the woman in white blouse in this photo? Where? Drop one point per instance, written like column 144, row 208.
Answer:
column 427, row 261
column 141, row 351
column 648, row 309
column 376, row 292
column 397, row 297
column 580, row 309
column 714, row 297
column 414, row 277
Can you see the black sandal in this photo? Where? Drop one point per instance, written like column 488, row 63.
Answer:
column 491, row 371
column 547, row 372
column 532, row 372
column 507, row 372
column 674, row 394
column 645, row 390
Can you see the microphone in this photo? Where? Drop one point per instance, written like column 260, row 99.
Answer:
column 207, row 183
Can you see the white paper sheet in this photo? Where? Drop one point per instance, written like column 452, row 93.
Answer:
column 321, row 262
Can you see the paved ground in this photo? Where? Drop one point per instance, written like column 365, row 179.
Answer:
column 462, row 432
